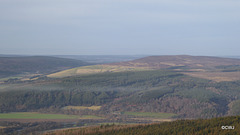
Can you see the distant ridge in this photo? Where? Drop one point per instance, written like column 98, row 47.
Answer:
column 36, row 64
column 100, row 59
column 206, row 67
column 159, row 62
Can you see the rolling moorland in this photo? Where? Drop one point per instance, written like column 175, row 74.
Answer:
column 146, row 90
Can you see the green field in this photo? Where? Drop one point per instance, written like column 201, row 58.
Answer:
column 150, row 114
column 35, row 115
column 81, row 107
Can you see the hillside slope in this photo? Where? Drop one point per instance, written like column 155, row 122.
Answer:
column 161, row 90
column 158, row 62
column 211, row 68
column 206, row 67
column 35, row 64
column 155, row 91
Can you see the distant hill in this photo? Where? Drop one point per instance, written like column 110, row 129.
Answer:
column 100, row 59
column 35, row 64
column 158, row 62
column 206, row 67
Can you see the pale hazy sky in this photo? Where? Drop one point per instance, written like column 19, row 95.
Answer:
column 108, row 27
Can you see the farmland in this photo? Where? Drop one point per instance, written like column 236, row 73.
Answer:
column 35, row 115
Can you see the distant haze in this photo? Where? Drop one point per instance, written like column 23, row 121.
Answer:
column 120, row 27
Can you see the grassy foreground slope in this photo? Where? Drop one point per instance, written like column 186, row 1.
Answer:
column 180, row 127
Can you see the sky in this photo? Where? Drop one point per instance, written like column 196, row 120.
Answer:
column 120, row 27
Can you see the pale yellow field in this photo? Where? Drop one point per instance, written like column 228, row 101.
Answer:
column 1, row 127
column 82, row 107
column 216, row 76
column 94, row 69
column 64, row 73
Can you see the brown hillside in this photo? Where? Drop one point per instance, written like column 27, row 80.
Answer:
column 199, row 62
